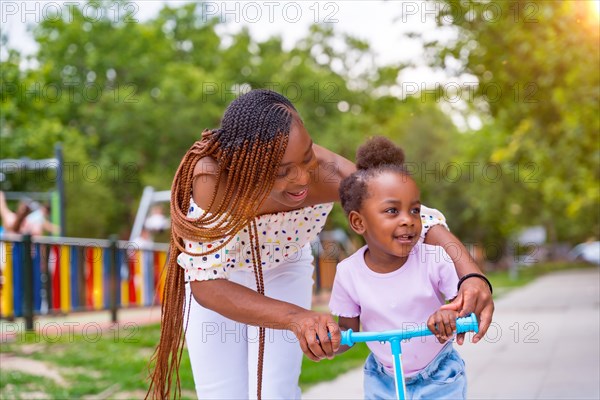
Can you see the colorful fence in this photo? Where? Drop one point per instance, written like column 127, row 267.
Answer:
column 62, row 275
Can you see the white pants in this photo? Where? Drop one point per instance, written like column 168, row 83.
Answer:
column 224, row 353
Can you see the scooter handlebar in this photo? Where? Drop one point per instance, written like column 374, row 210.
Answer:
column 465, row 324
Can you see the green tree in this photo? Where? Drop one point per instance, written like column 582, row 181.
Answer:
column 128, row 98
column 539, row 89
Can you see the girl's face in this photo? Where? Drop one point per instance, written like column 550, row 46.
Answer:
column 296, row 169
column 390, row 216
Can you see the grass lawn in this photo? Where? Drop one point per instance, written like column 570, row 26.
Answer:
column 114, row 364
column 116, row 361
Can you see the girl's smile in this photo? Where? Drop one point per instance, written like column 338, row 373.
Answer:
column 406, row 239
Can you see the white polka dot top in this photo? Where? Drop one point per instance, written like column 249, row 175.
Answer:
column 281, row 237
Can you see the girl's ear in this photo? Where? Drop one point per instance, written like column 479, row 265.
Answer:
column 356, row 222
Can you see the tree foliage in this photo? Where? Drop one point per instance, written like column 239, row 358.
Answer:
column 127, row 99
column 538, row 93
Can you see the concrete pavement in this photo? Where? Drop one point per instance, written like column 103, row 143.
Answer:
column 544, row 343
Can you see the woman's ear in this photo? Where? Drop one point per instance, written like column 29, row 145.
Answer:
column 356, row 222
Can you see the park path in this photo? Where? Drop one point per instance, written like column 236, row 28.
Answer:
column 544, row 343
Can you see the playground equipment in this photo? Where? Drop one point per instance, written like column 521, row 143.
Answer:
column 50, row 275
column 466, row 324
column 56, row 197
column 149, row 198
column 58, row 275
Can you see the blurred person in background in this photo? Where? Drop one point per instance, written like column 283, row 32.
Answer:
column 157, row 221
column 144, row 241
column 13, row 222
column 37, row 223
column 157, row 224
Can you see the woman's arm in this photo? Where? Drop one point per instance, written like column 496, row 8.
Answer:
column 474, row 294
column 330, row 172
column 241, row 304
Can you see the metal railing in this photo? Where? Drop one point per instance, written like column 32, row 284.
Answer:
column 59, row 275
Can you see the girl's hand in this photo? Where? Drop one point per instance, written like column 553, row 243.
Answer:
column 474, row 296
column 442, row 324
column 318, row 334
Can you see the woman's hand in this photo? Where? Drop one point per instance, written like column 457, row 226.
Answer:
column 474, row 296
column 442, row 324
column 318, row 334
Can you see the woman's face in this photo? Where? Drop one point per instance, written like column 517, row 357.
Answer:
column 295, row 172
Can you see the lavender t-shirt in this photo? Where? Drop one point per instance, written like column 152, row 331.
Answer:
column 403, row 299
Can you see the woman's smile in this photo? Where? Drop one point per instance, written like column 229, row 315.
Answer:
column 298, row 195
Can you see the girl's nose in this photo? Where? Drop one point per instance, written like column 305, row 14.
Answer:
column 405, row 219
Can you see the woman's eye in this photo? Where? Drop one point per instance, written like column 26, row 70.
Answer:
column 309, row 159
column 282, row 174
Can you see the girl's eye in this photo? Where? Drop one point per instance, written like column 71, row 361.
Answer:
column 416, row 210
column 391, row 211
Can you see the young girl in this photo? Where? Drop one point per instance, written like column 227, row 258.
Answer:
column 396, row 281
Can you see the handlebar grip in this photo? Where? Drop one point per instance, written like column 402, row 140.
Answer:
column 467, row 324
column 347, row 338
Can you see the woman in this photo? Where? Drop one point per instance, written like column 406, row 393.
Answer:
column 246, row 201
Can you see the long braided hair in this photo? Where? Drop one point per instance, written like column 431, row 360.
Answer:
column 248, row 148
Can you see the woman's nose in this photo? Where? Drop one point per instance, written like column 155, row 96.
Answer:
column 304, row 178
column 301, row 177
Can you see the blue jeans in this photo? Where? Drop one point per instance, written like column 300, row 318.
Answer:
column 442, row 378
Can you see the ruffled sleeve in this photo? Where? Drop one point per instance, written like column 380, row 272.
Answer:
column 202, row 268
column 215, row 265
column 431, row 217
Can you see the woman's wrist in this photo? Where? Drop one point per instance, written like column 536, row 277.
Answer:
column 292, row 315
column 475, row 275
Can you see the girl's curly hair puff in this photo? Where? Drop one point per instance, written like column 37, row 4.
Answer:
column 377, row 155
